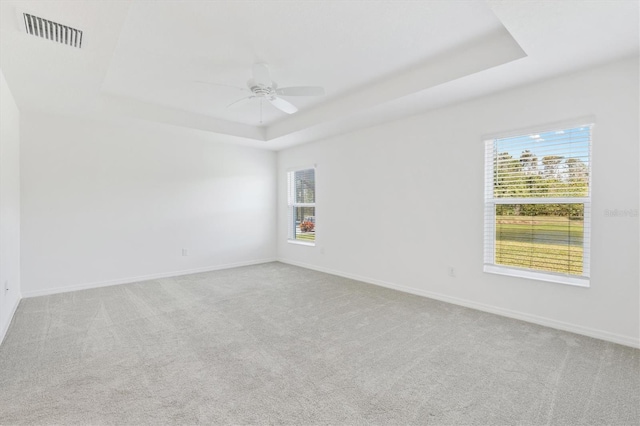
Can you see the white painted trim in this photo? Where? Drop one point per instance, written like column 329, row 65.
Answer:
column 633, row 342
column 578, row 281
column 588, row 120
column 129, row 280
column 5, row 328
column 300, row 168
column 302, row 243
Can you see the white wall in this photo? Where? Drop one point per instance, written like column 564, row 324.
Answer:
column 111, row 203
column 398, row 203
column 9, row 206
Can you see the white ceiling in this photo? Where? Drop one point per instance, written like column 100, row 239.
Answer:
column 142, row 60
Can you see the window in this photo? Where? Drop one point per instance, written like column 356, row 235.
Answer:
column 302, row 206
column 537, row 205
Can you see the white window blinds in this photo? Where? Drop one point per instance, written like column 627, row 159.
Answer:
column 537, row 205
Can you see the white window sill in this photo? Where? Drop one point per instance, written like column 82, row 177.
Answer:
column 536, row 275
column 301, row 243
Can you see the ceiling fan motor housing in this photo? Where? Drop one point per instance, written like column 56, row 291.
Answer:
column 262, row 87
column 262, row 90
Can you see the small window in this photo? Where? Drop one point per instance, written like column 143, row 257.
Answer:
column 302, row 205
column 537, row 205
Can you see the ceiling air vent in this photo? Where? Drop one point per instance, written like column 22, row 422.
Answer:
column 53, row 31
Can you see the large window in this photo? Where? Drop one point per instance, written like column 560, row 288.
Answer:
column 301, row 186
column 537, row 205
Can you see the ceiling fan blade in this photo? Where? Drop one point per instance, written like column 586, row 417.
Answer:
column 261, row 74
column 283, row 105
column 240, row 102
column 301, row 91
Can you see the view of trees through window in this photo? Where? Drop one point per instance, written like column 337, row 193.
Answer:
column 302, row 210
column 540, row 193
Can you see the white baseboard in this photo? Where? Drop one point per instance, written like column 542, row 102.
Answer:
column 547, row 322
column 5, row 327
column 65, row 289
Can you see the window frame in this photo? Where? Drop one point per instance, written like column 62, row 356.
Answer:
column 292, row 205
column 490, row 203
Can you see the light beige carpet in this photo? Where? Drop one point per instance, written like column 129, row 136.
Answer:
column 277, row 344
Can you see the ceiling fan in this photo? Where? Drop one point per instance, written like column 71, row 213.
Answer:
column 262, row 88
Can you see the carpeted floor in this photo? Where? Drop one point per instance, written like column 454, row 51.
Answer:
column 277, row 344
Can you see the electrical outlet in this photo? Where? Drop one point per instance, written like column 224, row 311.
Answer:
column 185, row 252
column 451, row 271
